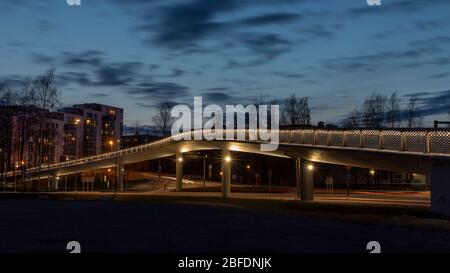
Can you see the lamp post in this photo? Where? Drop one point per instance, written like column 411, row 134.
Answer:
column 22, row 163
column 15, row 176
column 248, row 167
column 204, row 170
column 111, row 142
column 111, row 145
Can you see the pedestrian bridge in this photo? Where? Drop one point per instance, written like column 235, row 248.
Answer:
column 421, row 151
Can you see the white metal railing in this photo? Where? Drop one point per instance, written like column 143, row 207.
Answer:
column 426, row 141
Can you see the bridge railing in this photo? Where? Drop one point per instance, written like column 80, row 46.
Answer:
column 402, row 140
column 426, row 141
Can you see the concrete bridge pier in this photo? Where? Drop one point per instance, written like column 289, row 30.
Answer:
column 120, row 169
column 179, row 170
column 440, row 188
column 55, row 182
column 307, row 189
column 226, row 173
column 298, row 175
column 305, row 179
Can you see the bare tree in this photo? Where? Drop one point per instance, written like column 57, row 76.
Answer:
column 353, row 120
column 163, row 119
column 25, row 105
column 393, row 111
column 47, row 95
column 414, row 120
column 296, row 111
column 16, row 107
column 374, row 111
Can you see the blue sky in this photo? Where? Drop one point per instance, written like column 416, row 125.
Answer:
column 137, row 53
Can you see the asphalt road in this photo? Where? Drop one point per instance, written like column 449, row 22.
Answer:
column 112, row 226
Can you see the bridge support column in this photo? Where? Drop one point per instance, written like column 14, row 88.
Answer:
column 179, row 170
column 305, row 180
column 298, row 176
column 119, row 168
column 440, row 189
column 226, row 173
column 307, row 192
column 55, row 181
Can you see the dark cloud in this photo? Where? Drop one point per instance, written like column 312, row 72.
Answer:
column 79, row 78
column 219, row 97
column 107, row 75
column 100, row 95
column 45, row 26
column 218, row 89
column 430, row 24
column 193, row 27
column 269, row 45
column 267, row 19
column 13, row 80
column 407, row 58
column 90, row 69
column 432, row 45
column 182, row 25
column 289, row 75
column 434, row 103
column 262, row 48
column 41, row 59
column 17, row 43
column 175, row 73
column 157, row 91
column 117, row 74
column 90, row 58
column 440, row 75
column 318, row 31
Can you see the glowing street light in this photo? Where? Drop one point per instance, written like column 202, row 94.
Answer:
column 372, row 172
column 310, row 167
column 227, row 158
column 248, row 167
column 180, row 159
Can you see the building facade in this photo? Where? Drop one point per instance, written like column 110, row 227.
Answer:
column 91, row 129
column 32, row 136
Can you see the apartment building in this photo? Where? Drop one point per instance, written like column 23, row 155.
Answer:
column 31, row 136
column 91, row 129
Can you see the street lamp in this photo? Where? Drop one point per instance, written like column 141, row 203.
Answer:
column 22, row 163
column 16, row 166
column 248, row 167
column 204, row 169
column 111, row 144
column 227, row 159
column 310, row 167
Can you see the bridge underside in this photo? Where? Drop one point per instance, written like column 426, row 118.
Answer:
column 437, row 167
column 382, row 160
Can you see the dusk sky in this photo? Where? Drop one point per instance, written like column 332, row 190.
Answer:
column 137, row 53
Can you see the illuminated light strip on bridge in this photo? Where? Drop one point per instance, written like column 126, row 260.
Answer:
column 429, row 142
